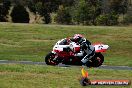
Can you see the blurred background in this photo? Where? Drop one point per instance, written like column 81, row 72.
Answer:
column 69, row 12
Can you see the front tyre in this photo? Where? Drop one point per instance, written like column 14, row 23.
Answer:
column 50, row 59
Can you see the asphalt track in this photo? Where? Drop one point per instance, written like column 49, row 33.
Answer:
column 62, row 65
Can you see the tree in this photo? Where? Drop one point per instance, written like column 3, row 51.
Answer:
column 107, row 19
column 2, row 15
column 63, row 16
column 128, row 19
column 119, row 6
column 4, row 7
column 19, row 14
column 86, row 11
column 42, row 10
column 31, row 5
column 67, row 3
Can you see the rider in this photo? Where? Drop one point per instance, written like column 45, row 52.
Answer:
column 85, row 47
column 84, row 44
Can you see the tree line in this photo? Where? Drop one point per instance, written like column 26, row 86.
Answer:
column 78, row 12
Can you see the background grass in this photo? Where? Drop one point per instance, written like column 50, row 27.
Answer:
column 39, row 76
column 31, row 42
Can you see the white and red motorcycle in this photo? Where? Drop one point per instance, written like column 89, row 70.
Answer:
column 65, row 54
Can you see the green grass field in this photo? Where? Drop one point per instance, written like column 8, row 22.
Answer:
column 31, row 42
column 29, row 76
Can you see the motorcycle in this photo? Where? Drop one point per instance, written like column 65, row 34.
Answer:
column 65, row 54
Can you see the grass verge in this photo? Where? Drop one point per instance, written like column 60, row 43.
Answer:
column 39, row 76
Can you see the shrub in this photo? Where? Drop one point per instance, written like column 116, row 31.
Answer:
column 63, row 16
column 86, row 11
column 19, row 14
column 2, row 16
column 47, row 18
column 81, row 13
column 107, row 19
column 128, row 19
column 42, row 10
column 4, row 7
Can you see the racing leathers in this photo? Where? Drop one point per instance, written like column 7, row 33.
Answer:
column 86, row 48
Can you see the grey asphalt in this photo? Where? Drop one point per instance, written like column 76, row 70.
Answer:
column 62, row 65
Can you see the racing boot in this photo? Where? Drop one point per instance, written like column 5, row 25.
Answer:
column 79, row 54
column 85, row 59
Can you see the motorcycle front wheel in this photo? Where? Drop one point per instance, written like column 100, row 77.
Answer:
column 50, row 59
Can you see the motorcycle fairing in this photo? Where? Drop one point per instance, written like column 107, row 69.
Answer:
column 100, row 47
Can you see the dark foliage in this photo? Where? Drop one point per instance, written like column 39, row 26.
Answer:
column 42, row 10
column 119, row 6
column 63, row 16
column 107, row 19
column 86, row 12
column 127, row 19
column 4, row 10
column 19, row 14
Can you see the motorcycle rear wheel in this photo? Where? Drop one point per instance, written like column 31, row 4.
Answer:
column 49, row 59
column 97, row 60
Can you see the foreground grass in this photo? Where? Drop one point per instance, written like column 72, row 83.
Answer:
column 31, row 42
column 34, row 76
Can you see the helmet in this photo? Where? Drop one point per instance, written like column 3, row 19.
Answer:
column 77, row 38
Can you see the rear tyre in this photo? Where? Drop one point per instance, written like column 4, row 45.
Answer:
column 99, row 59
column 96, row 61
column 49, row 59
